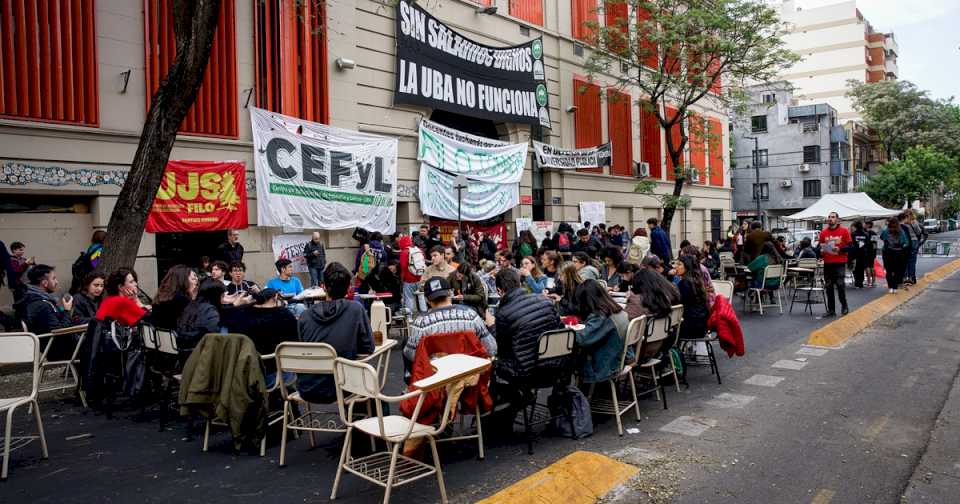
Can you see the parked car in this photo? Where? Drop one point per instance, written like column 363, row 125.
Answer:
column 931, row 226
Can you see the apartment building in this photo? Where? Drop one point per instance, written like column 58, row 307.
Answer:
column 786, row 155
column 837, row 45
column 77, row 77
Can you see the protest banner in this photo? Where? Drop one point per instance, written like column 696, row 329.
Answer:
column 200, row 196
column 290, row 246
column 523, row 224
column 549, row 156
column 594, row 212
column 496, row 231
column 314, row 176
column 540, row 229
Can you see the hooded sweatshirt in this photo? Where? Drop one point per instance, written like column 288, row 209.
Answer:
column 38, row 309
column 405, row 243
column 342, row 324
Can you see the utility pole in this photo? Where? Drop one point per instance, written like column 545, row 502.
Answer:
column 756, row 167
column 460, row 183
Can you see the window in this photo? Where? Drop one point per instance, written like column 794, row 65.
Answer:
column 648, row 49
column 770, row 98
column 48, row 63
column 811, row 188
column 698, row 152
column 530, row 11
column 764, row 190
column 214, row 113
column 811, row 154
column 715, row 143
column 758, row 124
column 584, row 12
column 291, row 58
column 761, row 158
column 588, row 130
column 616, row 15
column 620, row 132
column 650, row 140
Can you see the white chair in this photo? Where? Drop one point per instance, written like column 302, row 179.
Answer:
column 60, row 375
column 660, row 336
column 21, row 348
column 726, row 264
column 723, row 288
column 387, row 468
column 614, row 406
column 771, row 272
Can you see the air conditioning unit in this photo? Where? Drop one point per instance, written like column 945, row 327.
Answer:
column 786, row 183
column 804, row 168
column 641, row 169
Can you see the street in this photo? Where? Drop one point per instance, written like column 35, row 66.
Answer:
column 844, row 425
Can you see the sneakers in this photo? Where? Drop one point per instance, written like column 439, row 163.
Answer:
column 893, row 291
column 830, row 314
column 844, row 311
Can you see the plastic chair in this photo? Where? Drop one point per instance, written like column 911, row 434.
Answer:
column 723, row 288
column 614, row 406
column 21, row 348
column 389, row 468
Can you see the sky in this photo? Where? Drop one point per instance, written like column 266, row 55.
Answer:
column 928, row 36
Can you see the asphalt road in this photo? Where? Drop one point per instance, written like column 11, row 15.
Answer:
column 851, row 426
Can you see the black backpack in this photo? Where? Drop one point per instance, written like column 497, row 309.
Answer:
column 80, row 268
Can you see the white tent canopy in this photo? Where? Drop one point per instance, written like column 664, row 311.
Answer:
column 848, row 205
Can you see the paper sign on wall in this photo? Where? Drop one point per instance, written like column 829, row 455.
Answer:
column 594, row 212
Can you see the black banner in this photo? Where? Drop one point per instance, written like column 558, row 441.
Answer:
column 442, row 69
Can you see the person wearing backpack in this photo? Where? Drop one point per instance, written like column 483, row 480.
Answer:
column 639, row 246
column 412, row 266
column 87, row 261
column 896, row 250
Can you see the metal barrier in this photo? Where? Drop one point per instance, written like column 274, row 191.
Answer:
column 936, row 248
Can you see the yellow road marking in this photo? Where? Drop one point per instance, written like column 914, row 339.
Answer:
column 581, row 477
column 824, row 496
column 834, row 334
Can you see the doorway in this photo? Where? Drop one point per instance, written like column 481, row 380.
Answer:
column 186, row 248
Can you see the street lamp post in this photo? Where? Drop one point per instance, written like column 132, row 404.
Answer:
column 460, row 183
column 756, row 167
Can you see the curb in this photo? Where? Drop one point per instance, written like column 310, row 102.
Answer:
column 836, row 333
column 581, row 477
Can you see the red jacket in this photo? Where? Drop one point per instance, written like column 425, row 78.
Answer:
column 405, row 242
column 841, row 239
column 446, row 343
column 724, row 321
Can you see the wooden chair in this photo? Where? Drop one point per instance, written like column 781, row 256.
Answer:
column 21, row 348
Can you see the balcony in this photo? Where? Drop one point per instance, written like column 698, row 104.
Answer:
column 840, row 168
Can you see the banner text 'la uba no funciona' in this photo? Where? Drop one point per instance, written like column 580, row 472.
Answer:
column 439, row 68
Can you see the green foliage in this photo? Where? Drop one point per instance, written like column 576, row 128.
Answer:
column 905, row 116
column 677, row 54
column 921, row 172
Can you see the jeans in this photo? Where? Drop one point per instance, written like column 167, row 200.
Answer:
column 912, row 261
column 834, row 275
column 316, row 276
column 413, row 302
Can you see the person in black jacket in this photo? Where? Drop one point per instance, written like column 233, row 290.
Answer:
column 38, row 308
column 87, row 301
column 385, row 278
column 267, row 322
column 487, row 248
column 202, row 315
column 338, row 322
column 316, row 259
column 521, row 319
column 230, row 251
column 176, row 291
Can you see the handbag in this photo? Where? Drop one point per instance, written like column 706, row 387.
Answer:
column 571, row 413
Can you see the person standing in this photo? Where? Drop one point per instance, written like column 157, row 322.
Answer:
column 316, row 257
column 459, row 247
column 834, row 243
column 487, row 248
column 896, row 249
column 412, row 265
column 861, row 245
column 918, row 235
column 231, row 251
column 870, row 256
column 659, row 240
column 753, row 243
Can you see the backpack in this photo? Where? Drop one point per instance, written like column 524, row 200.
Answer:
column 634, row 253
column 79, row 269
column 563, row 242
column 416, row 263
column 368, row 262
column 572, row 402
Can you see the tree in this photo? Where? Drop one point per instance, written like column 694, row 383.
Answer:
column 920, row 174
column 678, row 53
column 194, row 23
column 904, row 116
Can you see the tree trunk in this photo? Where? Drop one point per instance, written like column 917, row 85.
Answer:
column 671, row 207
column 195, row 22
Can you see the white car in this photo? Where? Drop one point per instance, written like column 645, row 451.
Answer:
column 931, row 226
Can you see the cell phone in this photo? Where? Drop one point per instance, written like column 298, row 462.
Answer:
column 67, row 298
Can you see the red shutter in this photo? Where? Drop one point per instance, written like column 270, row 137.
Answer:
column 717, row 85
column 698, row 151
column 588, row 130
column 615, row 17
column 650, row 141
column 675, row 135
column 291, row 58
column 619, row 126
column 716, row 152
column 583, row 12
column 650, row 60
column 48, row 63
column 214, row 113
column 530, row 11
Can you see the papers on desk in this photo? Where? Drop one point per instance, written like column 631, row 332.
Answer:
column 311, row 293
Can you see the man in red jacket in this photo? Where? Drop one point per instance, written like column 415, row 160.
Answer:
column 411, row 281
column 834, row 240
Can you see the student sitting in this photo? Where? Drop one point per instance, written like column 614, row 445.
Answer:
column 177, row 289
column 87, row 301
column 693, row 295
column 585, row 267
column 338, row 322
column 287, row 284
column 601, row 339
column 38, row 308
column 651, row 294
column 521, row 319
column 238, row 284
column 202, row 315
column 468, row 288
column 534, row 280
column 267, row 321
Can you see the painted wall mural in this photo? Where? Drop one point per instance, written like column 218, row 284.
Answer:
column 21, row 174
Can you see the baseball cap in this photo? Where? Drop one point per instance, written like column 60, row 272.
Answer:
column 437, row 287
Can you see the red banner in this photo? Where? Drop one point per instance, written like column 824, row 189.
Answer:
column 497, row 232
column 200, row 196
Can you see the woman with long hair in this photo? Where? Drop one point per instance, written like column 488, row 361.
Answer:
column 526, row 245
column 565, row 292
column 202, row 315
column 87, row 301
column 121, row 302
column 176, row 291
column 896, row 252
column 534, row 279
column 604, row 329
column 693, row 296
column 611, row 261
column 651, row 294
column 468, row 288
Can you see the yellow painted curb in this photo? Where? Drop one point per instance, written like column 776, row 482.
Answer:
column 581, row 477
column 839, row 331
